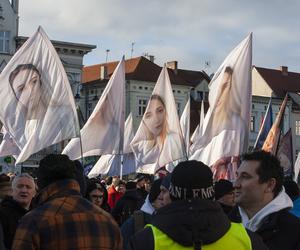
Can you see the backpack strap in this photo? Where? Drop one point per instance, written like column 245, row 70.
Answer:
column 139, row 220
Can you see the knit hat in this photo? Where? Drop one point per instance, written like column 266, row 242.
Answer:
column 191, row 180
column 166, row 181
column 155, row 190
column 223, row 187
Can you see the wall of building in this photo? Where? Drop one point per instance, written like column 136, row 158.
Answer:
column 259, row 85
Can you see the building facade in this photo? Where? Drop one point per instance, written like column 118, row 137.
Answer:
column 141, row 75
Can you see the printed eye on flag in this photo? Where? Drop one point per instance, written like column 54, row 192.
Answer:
column 111, row 164
column 103, row 132
column 38, row 108
column 159, row 139
column 226, row 124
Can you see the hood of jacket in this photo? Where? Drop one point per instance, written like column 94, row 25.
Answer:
column 280, row 202
column 147, row 206
column 191, row 221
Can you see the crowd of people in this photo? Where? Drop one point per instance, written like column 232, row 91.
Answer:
column 60, row 208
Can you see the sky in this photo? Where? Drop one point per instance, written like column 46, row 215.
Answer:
column 199, row 34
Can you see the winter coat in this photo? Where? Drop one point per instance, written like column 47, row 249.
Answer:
column 65, row 220
column 125, row 207
column 187, row 222
column 10, row 214
column 113, row 196
column 279, row 230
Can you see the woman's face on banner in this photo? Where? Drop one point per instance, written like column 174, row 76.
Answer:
column 155, row 117
column 27, row 88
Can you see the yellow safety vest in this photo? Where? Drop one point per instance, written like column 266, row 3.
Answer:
column 236, row 238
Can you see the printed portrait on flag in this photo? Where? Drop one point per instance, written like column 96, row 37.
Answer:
column 226, row 124
column 38, row 108
column 31, row 95
column 157, row 135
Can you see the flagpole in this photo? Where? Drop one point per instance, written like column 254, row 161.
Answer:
column 81, row 151
column 121, row 167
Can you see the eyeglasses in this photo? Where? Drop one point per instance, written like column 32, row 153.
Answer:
column 96, row 196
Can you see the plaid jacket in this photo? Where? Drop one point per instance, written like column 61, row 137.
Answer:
column 65, row 220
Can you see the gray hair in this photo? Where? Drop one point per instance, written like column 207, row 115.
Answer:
column 14, row 181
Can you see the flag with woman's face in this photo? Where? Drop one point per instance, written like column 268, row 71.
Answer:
column 38, row 108
column 225, row 129
column 159, row 139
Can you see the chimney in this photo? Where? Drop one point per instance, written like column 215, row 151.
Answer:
column 173, row 65
column 103, row 72
column 15, row 6
column 284, row 70
column 151, row 58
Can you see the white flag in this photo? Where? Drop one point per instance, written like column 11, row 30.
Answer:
column 111, row 164
column 159, row 139
column 226, row 124
column 8, row 146
column 103, row 132
column 297, row 168
column 198, row 131
column 38, row 107
column 185, row 124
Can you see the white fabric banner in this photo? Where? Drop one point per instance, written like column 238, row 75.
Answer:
column 198, row 131
column 8, row 146
column 226, row 124
column 159, row 139
column 111, row 164
column 38, row 107
column 103, row 132
column 185, row 124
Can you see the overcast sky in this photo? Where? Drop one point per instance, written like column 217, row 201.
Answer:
column 188, row 31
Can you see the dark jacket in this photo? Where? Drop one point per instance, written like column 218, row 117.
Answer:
column 10, row 214
column 65, row 220
column 125, row 207
column 187, row 222
column 129, row 227
column 279, row 230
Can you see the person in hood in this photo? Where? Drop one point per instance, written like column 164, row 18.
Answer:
column 143, row 216
column 13, row 208
column 127, row 204
column 193, row 220
column 262, row 204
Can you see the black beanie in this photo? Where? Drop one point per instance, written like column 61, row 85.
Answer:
column 222, row 187
column 155, row 190
column 55, row 167
column 191, row 180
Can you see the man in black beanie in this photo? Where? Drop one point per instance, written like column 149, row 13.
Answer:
column 224, row 194
column 193, row 219
column 63, row 219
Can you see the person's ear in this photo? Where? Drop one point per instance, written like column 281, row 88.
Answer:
column 271, row 185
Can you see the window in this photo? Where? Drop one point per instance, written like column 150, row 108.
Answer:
column 142, row 105
column 252, row 123
column 297, row 128
column 4, row 41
